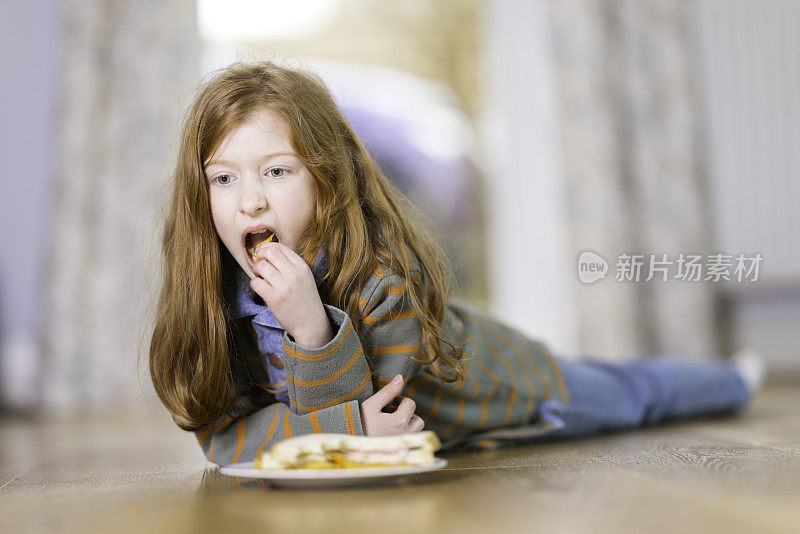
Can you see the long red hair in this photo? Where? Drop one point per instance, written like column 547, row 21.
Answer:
column 360, row 218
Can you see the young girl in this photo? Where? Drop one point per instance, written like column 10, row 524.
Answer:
column 297, row 286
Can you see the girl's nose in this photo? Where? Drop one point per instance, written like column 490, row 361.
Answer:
column 253, row 201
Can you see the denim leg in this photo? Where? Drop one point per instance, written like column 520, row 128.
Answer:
column 642, row 391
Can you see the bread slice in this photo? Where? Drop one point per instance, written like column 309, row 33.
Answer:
column 338, row 451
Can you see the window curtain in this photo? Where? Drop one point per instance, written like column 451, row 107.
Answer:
column 126, row 71
column 634, row 173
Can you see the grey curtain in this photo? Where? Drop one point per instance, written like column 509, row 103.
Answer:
column 126, row 68
column 633, row 168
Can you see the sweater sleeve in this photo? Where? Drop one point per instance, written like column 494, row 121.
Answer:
column 247, row 429
column 326, row 384
column 391, row 332
column 340, row 371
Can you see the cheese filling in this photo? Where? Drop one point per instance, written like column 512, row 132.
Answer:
column 349, row 459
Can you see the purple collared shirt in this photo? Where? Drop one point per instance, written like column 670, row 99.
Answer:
column 244, row 302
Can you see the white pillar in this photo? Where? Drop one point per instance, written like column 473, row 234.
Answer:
column 528, row 264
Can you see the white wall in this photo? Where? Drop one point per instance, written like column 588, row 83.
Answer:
column 749, row 63
column 27, row 148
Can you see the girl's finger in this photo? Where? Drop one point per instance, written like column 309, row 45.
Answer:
column 267, row 271
column 385, row 395
column 405, row 409
column 293, row 256
column 392, row 406
column 262, row 288
column 276, row 255
column 416, row 424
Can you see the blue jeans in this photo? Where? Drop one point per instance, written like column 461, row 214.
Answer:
column 641, row 391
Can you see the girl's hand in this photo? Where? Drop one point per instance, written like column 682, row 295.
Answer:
column 401, row 421
column 287, row 285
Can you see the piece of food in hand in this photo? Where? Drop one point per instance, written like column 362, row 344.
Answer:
column 338, row 451
column 255, row 252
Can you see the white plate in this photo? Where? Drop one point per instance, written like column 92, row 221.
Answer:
column 327, row 477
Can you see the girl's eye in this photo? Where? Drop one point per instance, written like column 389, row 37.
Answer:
column 280, row 169
column 220, row 179
column 226, row 179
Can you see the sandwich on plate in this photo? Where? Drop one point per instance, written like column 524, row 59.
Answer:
column 337, row 451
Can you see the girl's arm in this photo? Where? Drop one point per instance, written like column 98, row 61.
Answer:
column 326, row 384
column 248, row 428
column 338, row 371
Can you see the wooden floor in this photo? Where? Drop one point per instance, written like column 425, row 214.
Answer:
column 138, row 472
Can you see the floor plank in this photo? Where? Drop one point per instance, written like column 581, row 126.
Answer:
column 134, row 471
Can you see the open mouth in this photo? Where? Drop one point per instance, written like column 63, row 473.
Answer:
column 253, row 239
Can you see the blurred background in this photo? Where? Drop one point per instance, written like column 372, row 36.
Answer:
column 526, row 132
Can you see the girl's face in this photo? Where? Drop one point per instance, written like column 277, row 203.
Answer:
column 256, row 179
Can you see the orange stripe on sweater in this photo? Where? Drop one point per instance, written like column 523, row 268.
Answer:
column 457, row 420
column 348, row 415
column 539, row 373
column 495, row 385
column 313, row 358
column 461, row 412
column 522, row 357
column 335, row 376
column 337, row 400
column 391, row 316
column 287, row 428
column 412, row 384
column 395, row 349
column 437, row 401
column 270, row 431
column 222, row 425
column 240, row 432
column 498, row 356
column 394, row 290
column 314, row 419
column 201, row 438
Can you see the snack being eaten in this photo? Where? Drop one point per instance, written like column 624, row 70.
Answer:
column 255, row 250
column 341, row 451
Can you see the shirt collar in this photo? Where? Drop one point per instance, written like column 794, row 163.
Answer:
column 243, row 301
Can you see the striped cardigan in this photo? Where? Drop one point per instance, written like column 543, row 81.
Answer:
column 508, row 376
